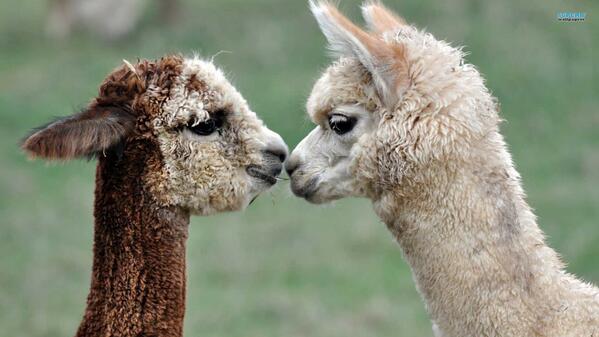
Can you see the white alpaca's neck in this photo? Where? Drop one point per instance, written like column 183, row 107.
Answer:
column 479, row 258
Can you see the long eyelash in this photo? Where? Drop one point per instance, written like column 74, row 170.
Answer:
column 219, row 117
column 338, row 118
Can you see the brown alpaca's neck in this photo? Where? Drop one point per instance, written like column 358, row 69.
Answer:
column 138, row 279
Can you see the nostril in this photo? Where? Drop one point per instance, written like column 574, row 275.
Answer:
column 277, row 170
column 280, row 153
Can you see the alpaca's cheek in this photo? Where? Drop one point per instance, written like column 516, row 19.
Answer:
column 229, row 195
column 198, row 177
column 210, row 191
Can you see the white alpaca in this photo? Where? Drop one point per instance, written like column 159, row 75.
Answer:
column 404, row 121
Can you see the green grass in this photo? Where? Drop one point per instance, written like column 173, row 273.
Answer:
column 283, row 267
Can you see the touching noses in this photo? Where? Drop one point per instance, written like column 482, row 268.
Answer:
column 276, row 147
column 291, row 165
column 296, row 158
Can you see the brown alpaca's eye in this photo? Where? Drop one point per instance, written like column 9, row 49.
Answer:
column 207, row 127
column 204, row 128
column 341, row 124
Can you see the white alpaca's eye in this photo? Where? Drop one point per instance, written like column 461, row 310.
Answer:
column 341, row 124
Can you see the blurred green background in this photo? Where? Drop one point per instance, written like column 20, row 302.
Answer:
column 284, row 267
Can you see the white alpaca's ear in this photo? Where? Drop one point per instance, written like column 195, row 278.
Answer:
column 379, row 19
column 385, row 62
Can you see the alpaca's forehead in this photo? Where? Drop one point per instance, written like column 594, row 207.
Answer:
column 344, row 82
column 199, row 89
column 209, row 80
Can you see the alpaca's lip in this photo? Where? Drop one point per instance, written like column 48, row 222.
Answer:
column 258, row 172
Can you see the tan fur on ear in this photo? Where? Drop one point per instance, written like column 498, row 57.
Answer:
column 83, row 134
column 380, row 19
column 386, row 61
column 369, row 41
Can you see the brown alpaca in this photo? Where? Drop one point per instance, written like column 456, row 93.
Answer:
column 172, row 138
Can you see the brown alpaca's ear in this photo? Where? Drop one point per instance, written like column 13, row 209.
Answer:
column 385, row 61
column 380, row 19
column 83, row 134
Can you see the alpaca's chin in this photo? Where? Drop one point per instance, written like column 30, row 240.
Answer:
column 316, row 197
column 315, row 191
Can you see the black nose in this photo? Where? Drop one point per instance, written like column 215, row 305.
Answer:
column 291, row 166
column 277, row 152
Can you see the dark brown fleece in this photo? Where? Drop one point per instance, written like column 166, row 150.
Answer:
column 138, row 281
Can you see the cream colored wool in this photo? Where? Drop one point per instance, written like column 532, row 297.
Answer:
column 426, row 149
column 207, row 174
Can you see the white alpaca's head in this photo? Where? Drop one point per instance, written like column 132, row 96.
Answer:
column 203, row 148
column 395, row 100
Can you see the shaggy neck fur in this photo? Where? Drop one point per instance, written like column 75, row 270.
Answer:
column 478, row 256
column 138, row 281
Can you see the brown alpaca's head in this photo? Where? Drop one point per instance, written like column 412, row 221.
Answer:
column 394, row 102
column 214, row 154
